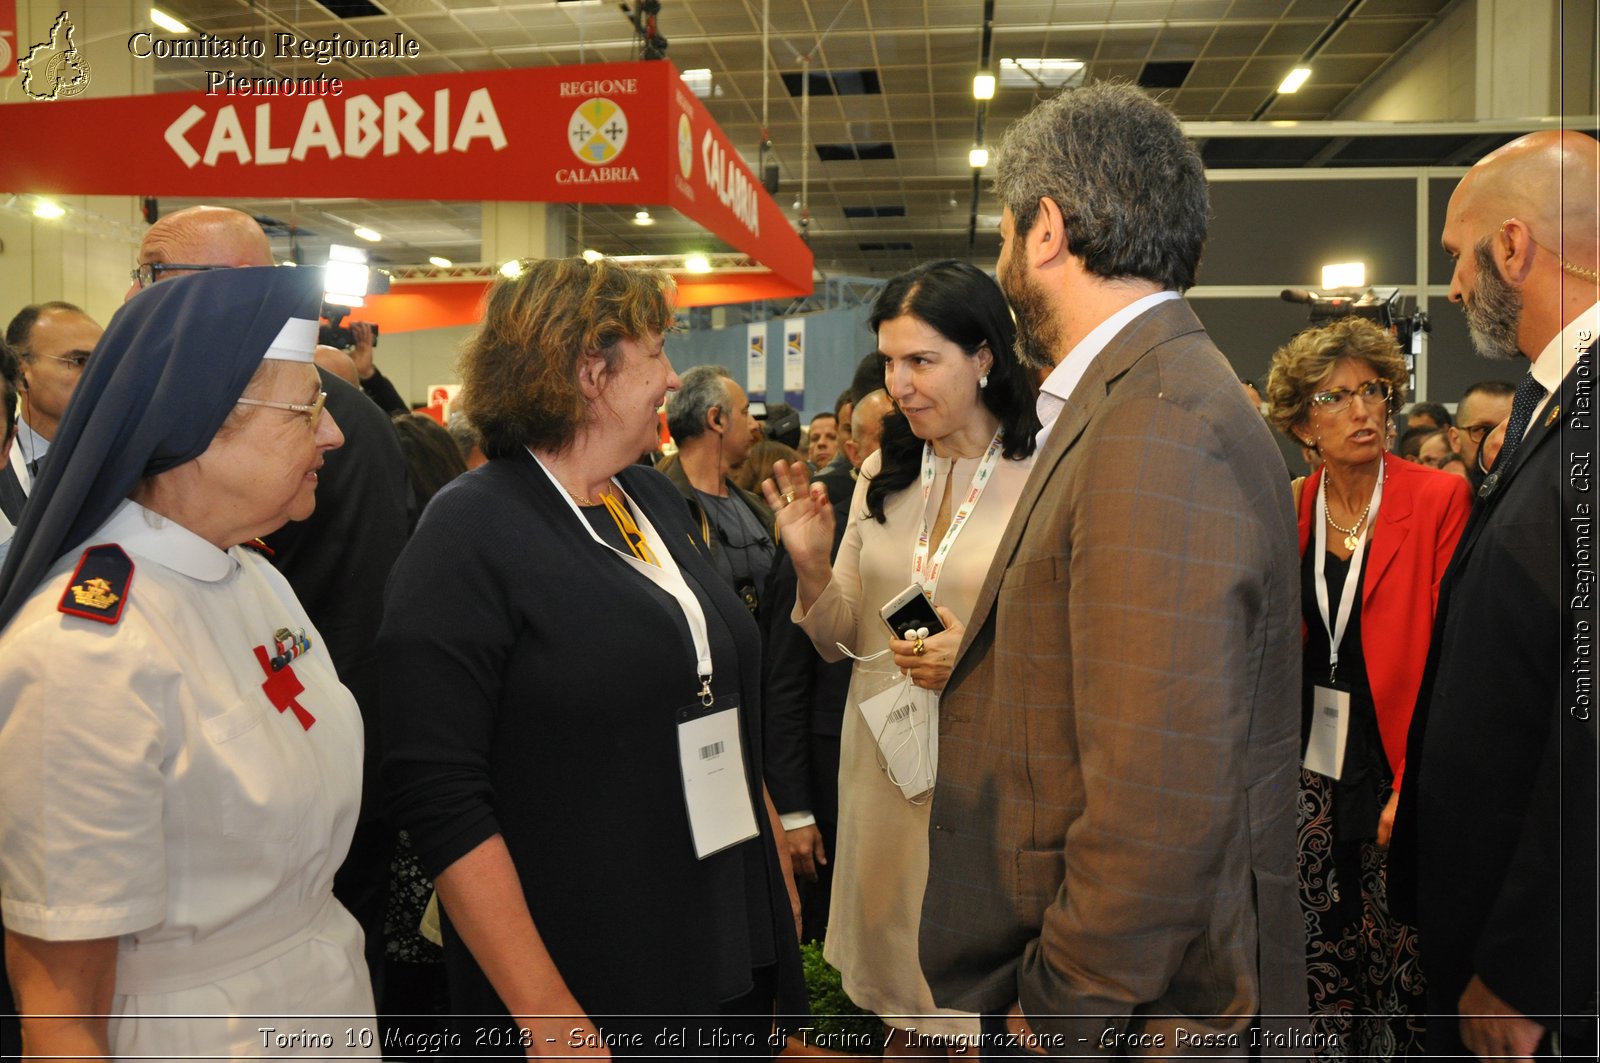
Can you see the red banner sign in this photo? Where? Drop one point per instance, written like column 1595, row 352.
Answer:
column 602, row 133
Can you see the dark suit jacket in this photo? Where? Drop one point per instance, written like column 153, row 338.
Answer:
column 532, row 682
column 803, row 696
column 1113, row 827
column 12, row 496
column 1418, row 525
column 381, row 390
column 1494, row 845
column 338, row 559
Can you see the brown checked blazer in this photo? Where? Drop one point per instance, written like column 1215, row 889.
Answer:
column 1113, row 827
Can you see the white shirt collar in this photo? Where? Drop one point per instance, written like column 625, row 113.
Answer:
column 146, row 534
column 1560, row 355
column 1065, row 377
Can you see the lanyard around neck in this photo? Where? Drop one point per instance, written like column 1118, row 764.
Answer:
column 1352, row 578
column 920, row 561
column 664, row 574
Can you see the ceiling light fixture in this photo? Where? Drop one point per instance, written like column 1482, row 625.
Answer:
column 697, row 263
column 48, row 210
column 440, row 261
column 983, row 85
column 591, row 255
column 643, row 218
column 1297, row 77
column 1042, row 73
column 166, row 21
column 369, row 235
column 699, row 82
column 978, row 157
column 511, row 268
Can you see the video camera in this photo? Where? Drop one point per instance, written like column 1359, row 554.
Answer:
column 333, row 333
column 1379, row 305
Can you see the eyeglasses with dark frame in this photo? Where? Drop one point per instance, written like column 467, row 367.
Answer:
column 311, row 411
column 1336, row 400
column 1476, row 432
column 148, row 273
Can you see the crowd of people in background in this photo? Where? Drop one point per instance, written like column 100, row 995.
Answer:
column 1029, row 679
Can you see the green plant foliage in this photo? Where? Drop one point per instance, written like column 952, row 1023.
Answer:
column 836, row 1021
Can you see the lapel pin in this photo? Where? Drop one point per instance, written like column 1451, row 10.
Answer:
column 1555, row 411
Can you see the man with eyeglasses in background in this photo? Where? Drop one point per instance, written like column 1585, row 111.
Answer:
column 1482, row 406
column 52, row 342
column 338, row 560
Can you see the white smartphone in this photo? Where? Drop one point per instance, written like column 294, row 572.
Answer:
column 909, row 610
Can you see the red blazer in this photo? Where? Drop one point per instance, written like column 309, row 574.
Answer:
column 1422, row 515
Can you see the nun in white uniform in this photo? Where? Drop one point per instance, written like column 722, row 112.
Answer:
column 181, row 766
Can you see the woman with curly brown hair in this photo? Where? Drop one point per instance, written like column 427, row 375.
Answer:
column 572, row 720
column 1376, row 533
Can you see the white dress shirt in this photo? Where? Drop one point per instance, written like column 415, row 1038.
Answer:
column 1559, row 355
column 1064, row 378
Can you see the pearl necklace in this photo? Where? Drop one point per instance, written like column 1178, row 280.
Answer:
column 1352, row 536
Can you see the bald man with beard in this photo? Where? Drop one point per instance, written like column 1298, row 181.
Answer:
column 338, row 560
column 1494, row 842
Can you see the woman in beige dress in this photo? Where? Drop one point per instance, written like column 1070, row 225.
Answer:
column 930, row 508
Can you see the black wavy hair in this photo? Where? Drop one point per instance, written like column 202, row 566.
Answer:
column 965, row 306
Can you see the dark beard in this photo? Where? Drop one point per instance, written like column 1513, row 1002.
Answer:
column 1038, row 333
column 1494, row 309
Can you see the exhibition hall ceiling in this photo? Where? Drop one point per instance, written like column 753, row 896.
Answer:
column 883, row 171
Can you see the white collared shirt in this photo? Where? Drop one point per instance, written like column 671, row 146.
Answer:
column 28, row 446
column 1064, row 378
column 1560, row 355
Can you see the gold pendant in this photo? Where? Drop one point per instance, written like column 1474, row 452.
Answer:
column 1350, row 542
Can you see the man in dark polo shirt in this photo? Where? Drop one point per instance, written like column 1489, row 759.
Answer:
column 709, row 418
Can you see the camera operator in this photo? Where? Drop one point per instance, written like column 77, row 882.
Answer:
column 376, row 386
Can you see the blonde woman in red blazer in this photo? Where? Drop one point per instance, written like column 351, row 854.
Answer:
column 1383, row 529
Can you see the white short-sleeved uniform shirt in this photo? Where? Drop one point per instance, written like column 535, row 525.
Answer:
column 151, row 789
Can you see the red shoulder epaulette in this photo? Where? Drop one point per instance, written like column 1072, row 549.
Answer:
column 99, row 586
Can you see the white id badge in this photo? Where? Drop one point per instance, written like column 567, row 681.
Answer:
column 903, row 719
column 714, row 784
column 1330, row 724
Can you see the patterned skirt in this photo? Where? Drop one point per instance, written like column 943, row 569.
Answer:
column 1366, row 983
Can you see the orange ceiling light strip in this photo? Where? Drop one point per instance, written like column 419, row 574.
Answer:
column 413, row 307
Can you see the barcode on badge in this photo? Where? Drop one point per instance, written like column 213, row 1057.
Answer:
column 1330, row 710
column 899, row 714
column 713, row 750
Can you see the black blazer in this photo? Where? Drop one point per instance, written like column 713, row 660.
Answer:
column 12, row 496
column 1494, row 843
column 338, row 558
column 803, row 696
column 531, row 682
